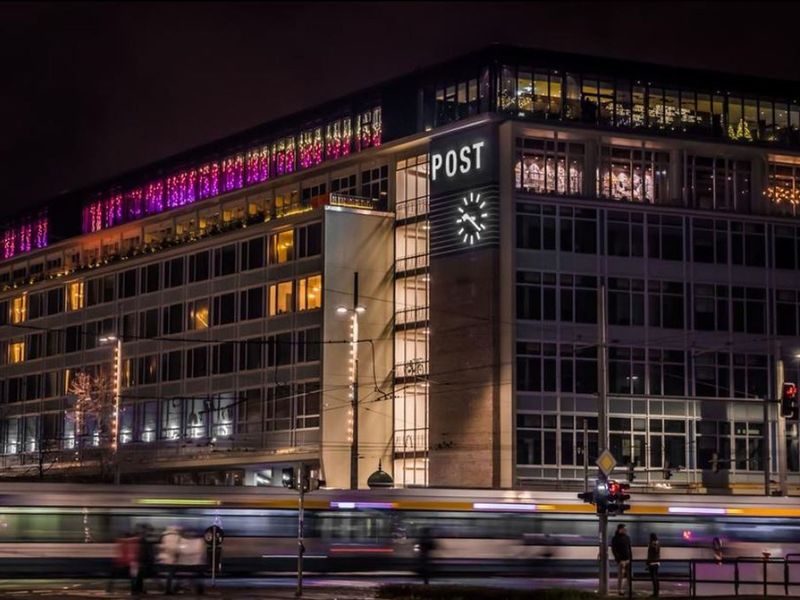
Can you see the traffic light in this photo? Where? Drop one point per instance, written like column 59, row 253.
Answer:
column 631, row 472
column 587, row 497
column 288, row 478
column 789, row 401
column 617, row 497
column 601, row 494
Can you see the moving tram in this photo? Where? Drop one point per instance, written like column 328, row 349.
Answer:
column 69, row 530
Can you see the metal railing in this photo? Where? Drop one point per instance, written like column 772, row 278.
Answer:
column 746, row 571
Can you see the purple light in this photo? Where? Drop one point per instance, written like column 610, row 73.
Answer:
column 338, row 137
column 258, row 165
column 208, row 181
column 696, row 510
column 310, row 148
column 500, row 506
column 154, row 197
column 284, row 156
column 233, row 173
column 8, row 243
column 133, row 204
column 181, row 188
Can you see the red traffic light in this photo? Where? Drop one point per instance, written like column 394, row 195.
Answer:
column 789, row 390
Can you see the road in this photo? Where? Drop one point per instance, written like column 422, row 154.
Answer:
column 344, row 587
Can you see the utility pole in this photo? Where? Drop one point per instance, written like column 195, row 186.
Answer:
column 602, row 428
column 780, row 443
column 301, row 549
column 354, row 395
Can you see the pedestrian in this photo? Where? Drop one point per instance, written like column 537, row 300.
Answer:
column 621, row 548
column 169, row 555
column 426, row 546
column 119, row 565
column 131, row 554
column 717, row 547
column 193, row 559
column 654, row 561
column 146, row 557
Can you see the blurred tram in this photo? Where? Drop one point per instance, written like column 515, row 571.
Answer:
column 63, row 529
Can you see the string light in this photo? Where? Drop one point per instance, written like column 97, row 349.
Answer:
column 310, row 147
column 208, row 181
column 233, row 173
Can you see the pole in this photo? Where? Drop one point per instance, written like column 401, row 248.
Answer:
column 354, row 394
column 300, row 547
column 585, row 455
column 780, row 445
column 765, row 447
column 117, row 402
column 213, row 557
column 602, row 428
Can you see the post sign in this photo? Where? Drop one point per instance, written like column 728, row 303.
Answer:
column 464, row 194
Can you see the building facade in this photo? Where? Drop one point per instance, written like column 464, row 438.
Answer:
column 544, row 244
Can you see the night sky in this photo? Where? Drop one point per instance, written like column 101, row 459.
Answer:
column 93, row 90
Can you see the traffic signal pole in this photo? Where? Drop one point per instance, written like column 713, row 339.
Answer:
column 780, row 443
column 300, row 509
column 602, row 429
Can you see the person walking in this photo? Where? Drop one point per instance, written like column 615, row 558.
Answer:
column 120, row 568
column 169, row 556
column 146, row 557
column 621, row 548
column 426, row 546
column 654, row 561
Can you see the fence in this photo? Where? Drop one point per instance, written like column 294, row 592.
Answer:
column 750, row 576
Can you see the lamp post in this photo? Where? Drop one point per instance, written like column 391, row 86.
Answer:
column 115, row 429
column 354, row 312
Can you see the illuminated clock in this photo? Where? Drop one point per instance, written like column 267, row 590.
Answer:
column 471, row 219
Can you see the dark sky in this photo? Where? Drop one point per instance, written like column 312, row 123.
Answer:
column 92, row 90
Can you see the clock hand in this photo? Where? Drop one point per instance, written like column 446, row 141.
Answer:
column 472, row 220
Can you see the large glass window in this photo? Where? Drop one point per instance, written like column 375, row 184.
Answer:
column 633, row 174
column 16, row 352
column 536, row 227
column 717, row 183
column 19, row 309
column 309, row 292
column 198, row 312
column 549, row 167
column 281, row 247
column 281, row 298
column 75, row 295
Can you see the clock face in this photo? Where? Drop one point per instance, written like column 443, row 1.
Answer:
column 471, row 219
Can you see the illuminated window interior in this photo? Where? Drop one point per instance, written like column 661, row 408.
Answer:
column 19, row 308
column 198, row 315
column 282, row 246
column 16, row 352
column 280, row 298
column 75, row 295
column 309, row 293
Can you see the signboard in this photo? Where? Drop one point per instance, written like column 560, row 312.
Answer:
column 606, row 462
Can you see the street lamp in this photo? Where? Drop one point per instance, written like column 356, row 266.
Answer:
column 352, row 431
column 115, row 429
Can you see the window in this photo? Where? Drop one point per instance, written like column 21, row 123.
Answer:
column 172, row 319
column 549, row 167
column 281, row 247
column 536, row 227
column 785, row 249
column 710, row 241
column 251, row 303
column 626, row 370
column 308, row 345
column 75, row 295
column 35, row 346
column 665, row 237
column 280, row 298
column 578, row 369
column 198, row 313
column 577, row 230
column 35, row 306
column 16, row 352
column 375, row 184
column 19, row 309
column 173, row 273
column 223, row 358
column 625, row 234
column 151, row 278
column 750, row 375
column 632, row 174
column 578, row 298
column 312, row 196
column 711, row 311
column 718, row 183
column 783, row 190
column 225, row 309
column 251, row 354
column 309, row 292
column 748, row 244
column 73, row 339
column 749, row 309
column 536, row 367
column 309, row 240
column 625, row 301
column 55, row 301
column 225, row 260
column 712, row 374
column 665, row 300
column 127, row 283
column 171, row 365
column 536, row 296
column 786, row 307
column 278, row 407
column 148, row 369
column 252, row 254
column 307, row 396
column 279, row 350
column 198, row 266
column 148, row 323
column 667, row 372
column 197, row 362
column 344, row 185
column 249, row 411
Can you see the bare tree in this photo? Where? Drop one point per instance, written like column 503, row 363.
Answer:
column 93, row 413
